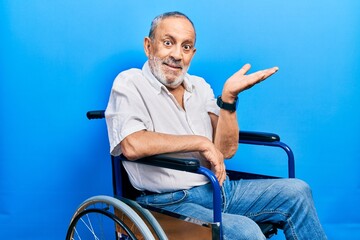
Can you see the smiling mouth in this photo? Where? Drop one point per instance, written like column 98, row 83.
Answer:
column 173, row 66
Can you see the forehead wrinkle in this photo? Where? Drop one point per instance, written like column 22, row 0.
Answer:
column 165, row 28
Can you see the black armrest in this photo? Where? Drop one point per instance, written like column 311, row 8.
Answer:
column 182, row 164
column 95, row 114
column 258, row 136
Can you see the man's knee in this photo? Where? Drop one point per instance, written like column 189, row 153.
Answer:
column 299, row 188
column 240, row 227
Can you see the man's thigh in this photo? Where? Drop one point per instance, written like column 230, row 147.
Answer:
column 234, row 226
column 263, row 199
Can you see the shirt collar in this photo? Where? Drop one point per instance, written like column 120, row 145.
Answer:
column 188, row 85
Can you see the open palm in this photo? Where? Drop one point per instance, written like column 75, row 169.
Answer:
column 239, row 82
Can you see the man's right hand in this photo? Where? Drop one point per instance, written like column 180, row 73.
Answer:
column 216, row 160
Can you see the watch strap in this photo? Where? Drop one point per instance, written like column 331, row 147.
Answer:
column 227, row 106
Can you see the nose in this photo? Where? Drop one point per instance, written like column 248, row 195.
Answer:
column 176, row 52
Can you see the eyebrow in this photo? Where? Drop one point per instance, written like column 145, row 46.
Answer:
column 173, row 38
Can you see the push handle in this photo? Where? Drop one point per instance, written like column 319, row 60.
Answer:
column 95, row 114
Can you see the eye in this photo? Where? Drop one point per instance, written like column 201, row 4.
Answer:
column 187, row 47
column 167, row 43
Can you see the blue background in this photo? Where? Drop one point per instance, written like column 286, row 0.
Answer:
column 58, row 59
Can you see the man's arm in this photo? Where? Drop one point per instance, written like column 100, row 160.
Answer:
column 226, row 132
column 146, row 143
column 226, row 125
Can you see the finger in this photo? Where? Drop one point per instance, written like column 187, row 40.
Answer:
column 221, row 179
column 216, row 170
column 270, row 72
column 222, row 175
column 260, row 76
column 244, row 69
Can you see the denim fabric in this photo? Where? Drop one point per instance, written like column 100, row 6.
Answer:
column 287, row 202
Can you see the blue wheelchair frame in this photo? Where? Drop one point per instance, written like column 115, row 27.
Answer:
column 193, row 165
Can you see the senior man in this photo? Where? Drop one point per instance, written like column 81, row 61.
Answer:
column 161, row 109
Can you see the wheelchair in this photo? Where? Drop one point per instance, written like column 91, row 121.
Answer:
column 120, row 217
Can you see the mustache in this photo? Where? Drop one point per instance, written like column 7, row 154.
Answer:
column 171, row 61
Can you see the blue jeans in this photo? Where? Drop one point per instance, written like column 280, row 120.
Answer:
column 287, row 202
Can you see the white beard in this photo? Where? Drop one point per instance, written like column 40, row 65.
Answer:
column 155, row 66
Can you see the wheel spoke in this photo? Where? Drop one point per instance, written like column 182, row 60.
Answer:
column 89, row 226
column 103, row 217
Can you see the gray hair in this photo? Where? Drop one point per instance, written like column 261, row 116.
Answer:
column 163, row 16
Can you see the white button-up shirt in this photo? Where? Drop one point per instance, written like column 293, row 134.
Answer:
column 138, row 101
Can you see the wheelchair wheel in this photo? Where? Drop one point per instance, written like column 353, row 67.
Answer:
column 148, row 218
column 104, row 217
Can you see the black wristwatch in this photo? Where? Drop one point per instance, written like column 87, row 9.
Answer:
column 227, row 106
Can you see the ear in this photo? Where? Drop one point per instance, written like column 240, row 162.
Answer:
column 193, row 53
column 147, row 46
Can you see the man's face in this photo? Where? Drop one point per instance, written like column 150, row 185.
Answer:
column 171, row 50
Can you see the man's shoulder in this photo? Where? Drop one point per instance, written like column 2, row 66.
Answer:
column 197, row 80
column 195, row 77
column 130, row 73
column 128, row 76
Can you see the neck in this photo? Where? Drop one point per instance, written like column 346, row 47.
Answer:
column 178, row 93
